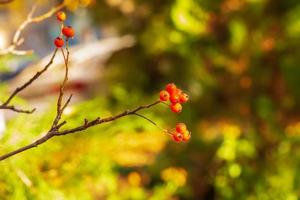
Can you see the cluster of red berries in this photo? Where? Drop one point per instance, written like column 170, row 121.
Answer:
column 175, row 96
column 67, row 31
column 181, row 133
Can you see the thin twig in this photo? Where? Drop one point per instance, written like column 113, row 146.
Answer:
column 17, row 40
column 97, row 121
column 13, row 108
column 146, row 118
column 165, row 103
column 6, row 105
column 59, row 107
column 152, row 122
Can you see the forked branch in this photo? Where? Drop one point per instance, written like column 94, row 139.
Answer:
column 17, row 40
column 6, row 105
column 55, row 128
column 60, row 107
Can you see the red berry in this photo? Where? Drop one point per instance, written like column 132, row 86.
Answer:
column 174, row 98
column 178, row 91
column 164, row 95
column 171, row 87
column 61, row 16
column 176, row 107
column 177, row 137
column 181, row 128
column 186, row 135
column 183, row 98
column 59, row 42
column 68, row 31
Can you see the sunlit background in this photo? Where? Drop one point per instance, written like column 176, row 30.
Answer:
column 239, row 61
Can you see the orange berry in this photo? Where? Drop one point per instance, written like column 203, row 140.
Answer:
column 176, row 107
column 177, row 137
column 183, row 98
column 181, row 128
column 59, row 42
column 164, row 95
column 174, row 98
column 61, row 16
column 171, row 87
column 178, row 91
column 186, row 135
column 68, row 31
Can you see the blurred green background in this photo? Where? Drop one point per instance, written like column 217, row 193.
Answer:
column 237, row 59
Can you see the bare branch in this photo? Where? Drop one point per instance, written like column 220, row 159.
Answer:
column 97, row 121
column 17, row 40
column 56, row 124
column 6, row 105
column 59, row 107
column 34, row 144
column 13, row 108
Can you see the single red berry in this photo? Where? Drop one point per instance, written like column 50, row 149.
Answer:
column 171, row 87
column 178, row 91
column 61, row 16
column 59, row 42
column 186, row 135
column 181, row 128
column 183, row 98
column 68, row 31
column 174, row 98
column 176, row 107
column 177, row 137
column 164, row 95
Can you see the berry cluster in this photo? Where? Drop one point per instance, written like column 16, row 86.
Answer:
column 181, row 133
column 175, row 96
column 67, row 31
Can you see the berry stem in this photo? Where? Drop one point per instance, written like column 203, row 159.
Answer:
column 64, row 55
column 165, row 103
column 61, row 27
column 59, row 107
column 152, row 122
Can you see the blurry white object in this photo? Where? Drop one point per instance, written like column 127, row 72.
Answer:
column 86, row 65
column 86, row 62
column 3, row 39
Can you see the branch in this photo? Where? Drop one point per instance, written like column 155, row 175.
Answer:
column 59, row 108
column 97, row 121
column 17, row 41
column 86, row 125
column 6, row 105
column 13, row 108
